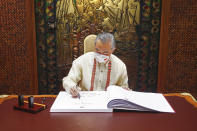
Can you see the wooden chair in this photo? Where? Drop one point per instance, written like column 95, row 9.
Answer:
column 89, row 43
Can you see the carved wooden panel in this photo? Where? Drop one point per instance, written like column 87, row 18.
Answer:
column 18, row 66
column 178, row 47
column 76, row 20
column 62, row 25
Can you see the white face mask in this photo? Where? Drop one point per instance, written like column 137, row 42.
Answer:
column 101, row 58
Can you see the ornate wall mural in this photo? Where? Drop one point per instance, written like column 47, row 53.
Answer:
column 82, row 17
column 77, row 19
column 62, row 26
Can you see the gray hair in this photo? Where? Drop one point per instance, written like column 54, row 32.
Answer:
column 105, row 38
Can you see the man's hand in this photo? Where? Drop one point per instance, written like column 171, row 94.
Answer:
column 126, row 88
column 74, row 91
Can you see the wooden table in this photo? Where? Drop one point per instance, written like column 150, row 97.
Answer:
column 185, row 118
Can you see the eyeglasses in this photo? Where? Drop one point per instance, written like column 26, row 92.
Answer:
column 102, row 52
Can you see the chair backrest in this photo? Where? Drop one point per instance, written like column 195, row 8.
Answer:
column 89, row 44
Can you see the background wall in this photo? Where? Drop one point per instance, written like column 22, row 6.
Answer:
column 18, row 61
column 178, row 47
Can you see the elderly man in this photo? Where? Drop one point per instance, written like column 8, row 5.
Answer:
column 97, row 70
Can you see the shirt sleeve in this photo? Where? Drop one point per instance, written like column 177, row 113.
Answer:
column 74, row 76
column 123, row 80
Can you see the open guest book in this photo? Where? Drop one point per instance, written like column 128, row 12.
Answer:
column 114, row 98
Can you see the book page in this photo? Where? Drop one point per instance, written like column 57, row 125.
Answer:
column 117, row 92
column 90, row 101
column 153, row 101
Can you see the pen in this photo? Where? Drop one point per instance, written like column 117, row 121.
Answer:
column 36, row 104
column 79, row 95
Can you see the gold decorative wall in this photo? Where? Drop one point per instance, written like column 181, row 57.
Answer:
column 62, row 25
column 77, row 19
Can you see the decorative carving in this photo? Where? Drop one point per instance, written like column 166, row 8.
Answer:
column 56, row 23
column 76, row 20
